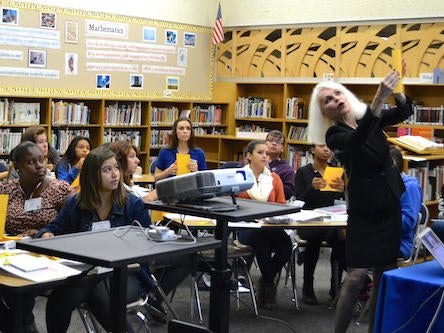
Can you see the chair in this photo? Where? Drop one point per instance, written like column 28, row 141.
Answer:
column 291, row 273
column 237, row 253
column 153, row 166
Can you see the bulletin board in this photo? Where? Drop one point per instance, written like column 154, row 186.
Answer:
column 59, row 52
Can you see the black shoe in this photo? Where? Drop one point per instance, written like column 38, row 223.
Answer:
column 310, row 299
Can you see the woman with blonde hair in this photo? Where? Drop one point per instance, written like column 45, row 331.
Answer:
column 354, row 132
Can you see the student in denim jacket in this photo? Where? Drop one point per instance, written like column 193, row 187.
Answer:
column 102, row 199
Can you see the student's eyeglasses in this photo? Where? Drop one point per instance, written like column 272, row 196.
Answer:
column 275, row 140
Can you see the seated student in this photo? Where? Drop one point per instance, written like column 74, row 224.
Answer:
column 34, row 201
column 71, row 163
column 102, row 202
column 411, row 201
column 37, row 134
column 175, row 269
column 126, row 155
column 275, row 141
column 308, row 185
column 3, row 170
column 182, row 142
column 272, row 247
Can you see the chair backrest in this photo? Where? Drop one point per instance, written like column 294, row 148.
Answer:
column 423, row 220
column 153, row 166
column 230, row 164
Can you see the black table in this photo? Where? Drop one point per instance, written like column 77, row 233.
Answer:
column 248, row 210
column 104, row 249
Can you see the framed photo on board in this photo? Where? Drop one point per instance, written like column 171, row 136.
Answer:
column 37, row 58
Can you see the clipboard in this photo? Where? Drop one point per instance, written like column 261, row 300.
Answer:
column 331, row 173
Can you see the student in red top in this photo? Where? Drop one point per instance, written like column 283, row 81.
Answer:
column 272, row 247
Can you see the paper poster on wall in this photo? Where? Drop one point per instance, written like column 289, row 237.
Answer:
column 136, row 81
column 189, row 39
column 103, row 81
column 71, row 32
column 149, row 34
column 10, row 16
column 182, row 56
column 171, row 37
column 83, row 51
column 172, row 83
column 37, row 58
column 71, row 64
column 48, row 20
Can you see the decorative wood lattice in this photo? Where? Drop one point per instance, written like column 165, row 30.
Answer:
column 349, row 51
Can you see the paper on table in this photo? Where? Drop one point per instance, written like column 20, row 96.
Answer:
column 182, row 163
column 53, row 271
column 330, row 174
column 305, row 215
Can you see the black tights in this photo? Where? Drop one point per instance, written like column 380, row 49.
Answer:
column 349, row 294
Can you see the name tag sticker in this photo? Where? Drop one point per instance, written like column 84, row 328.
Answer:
column 101, row 225
column 33, row 204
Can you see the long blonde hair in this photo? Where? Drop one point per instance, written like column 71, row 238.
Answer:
column 318, row 123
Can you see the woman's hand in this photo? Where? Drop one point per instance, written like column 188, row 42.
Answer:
column 28, row 233
column 193, row 165
column 337, row 184
column 79, row 164
column 318, row 183
column 385, row 89
column 47, row 235
column 172, row 169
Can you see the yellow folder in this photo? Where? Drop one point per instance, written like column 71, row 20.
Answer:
column 397, row 65
column 182, row 163
column 330, row 174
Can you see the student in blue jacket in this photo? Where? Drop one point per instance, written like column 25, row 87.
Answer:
column 102, row 202
column 69, row 166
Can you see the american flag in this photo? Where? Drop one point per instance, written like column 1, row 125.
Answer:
column 218, row 34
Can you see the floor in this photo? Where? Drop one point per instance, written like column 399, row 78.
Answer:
column 285, row 318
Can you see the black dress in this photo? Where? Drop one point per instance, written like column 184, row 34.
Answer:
column 374, row 188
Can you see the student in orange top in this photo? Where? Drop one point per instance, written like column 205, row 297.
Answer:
column 272, row 247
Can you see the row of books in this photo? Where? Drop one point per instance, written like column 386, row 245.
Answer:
column 209, row 131
column 70, row 113
column 60, row 138
column 133, row 137
column 427, row 115
column 160, row 138
column 8, row 140
column 295, row 108
column 19, row 113
column 160, row 116
column 297, row 133
column 425, row 132
column 123, row 114
column 253, row 107
column 297, row 157
column 211, row 115
column 430, row 178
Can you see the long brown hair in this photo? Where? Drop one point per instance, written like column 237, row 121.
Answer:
column 122, row 149
column 91, row 180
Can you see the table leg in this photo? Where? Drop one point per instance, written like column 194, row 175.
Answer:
column 118, row 299
column 220, row 287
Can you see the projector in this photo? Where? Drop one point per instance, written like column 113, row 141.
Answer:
column 206, row 184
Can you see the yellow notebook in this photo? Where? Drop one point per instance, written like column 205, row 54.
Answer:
column 331, row 173
column 182, row 163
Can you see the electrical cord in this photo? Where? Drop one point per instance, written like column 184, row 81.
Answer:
column 399, row 329
column 435, row 316
column 123, row 230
